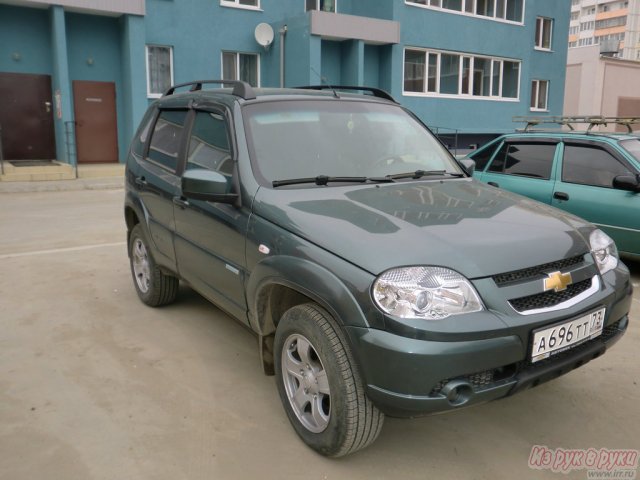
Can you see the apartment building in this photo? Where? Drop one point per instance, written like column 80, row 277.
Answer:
column 612, row 24
column 80, row 73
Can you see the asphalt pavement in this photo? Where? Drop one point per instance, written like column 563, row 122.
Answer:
column 95, row 385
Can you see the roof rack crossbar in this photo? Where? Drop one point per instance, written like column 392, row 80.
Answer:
column 569, row 121
column 240, row 89
column 376, row 92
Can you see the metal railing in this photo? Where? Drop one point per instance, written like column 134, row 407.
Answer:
column 70, row 143
column 448, row 136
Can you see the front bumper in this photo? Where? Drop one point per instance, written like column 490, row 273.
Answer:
column 408, row 377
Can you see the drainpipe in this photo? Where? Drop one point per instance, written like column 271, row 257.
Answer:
column 283, row 32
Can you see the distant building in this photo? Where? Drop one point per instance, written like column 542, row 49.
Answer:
column 612, row 24
column 79, row 74
column 602, row 85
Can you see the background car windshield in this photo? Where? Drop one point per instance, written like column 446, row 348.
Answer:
column 632, row 146
column 298, row 139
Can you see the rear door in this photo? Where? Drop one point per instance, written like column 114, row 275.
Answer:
column 585, row 188
column 524, row 166
column 210, row 237
column 157, row 182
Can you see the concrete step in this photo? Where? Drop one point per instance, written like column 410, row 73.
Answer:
column 54, row 171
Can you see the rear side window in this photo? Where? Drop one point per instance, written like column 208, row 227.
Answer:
column 165, row 140
column 209, row 144
column 588, row 165
column 533, row 160
column 142, row 134
column 482, row 157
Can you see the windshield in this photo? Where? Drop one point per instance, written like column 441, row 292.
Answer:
column 632, row 146
column 297, row 139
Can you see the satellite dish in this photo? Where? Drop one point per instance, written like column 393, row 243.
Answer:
column 264, row 35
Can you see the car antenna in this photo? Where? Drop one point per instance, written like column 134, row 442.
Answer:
column 324, row 81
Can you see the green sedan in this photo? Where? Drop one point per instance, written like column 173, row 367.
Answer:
column 595, row 176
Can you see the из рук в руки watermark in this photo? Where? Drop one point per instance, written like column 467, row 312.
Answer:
column 602, row 463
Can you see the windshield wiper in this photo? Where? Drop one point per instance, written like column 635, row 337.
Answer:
column 424, row 173
column 322, row 180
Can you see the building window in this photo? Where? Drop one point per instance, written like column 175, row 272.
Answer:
column 510, row 10
column 539, row 95
column 251, row 4
column 159, row 70
column 322, row 5
column 241, row 66
column 544, row 26
column 449, row 73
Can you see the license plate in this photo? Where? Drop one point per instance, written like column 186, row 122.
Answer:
column 561, row 337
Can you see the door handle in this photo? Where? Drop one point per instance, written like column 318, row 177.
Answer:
column 561, row 195
column 493, row 184
column 181, row 202
column 47, row 106
column 141, row 182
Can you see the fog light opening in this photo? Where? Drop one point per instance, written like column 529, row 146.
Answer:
column 457, row 392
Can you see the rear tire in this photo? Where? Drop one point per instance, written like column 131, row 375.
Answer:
column 154, row 287
column 320, row 386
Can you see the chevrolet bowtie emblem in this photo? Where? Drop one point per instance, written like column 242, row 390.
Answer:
column 557, row 281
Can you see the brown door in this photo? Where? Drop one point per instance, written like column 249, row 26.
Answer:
column 26, row 117
column 96, row 121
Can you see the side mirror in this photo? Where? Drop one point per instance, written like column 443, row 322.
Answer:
column 468, row 165
column 207, row 185
column 627, row 182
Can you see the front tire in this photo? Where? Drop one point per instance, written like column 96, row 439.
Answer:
column 154, row 287
column 320, row 386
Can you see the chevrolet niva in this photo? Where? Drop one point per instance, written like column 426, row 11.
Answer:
column 379, row 277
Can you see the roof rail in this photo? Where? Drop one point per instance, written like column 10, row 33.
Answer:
column 240, row 89
column 376, row 92
column 592, row 120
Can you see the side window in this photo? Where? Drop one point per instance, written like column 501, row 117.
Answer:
column 497, row 166
column 525, row 159
column 209, row 144
column 590, row 166
column 143, row 132
column 165, row 140
column 482, row 157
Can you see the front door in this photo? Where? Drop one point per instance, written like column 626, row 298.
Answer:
column 96, row 121
column 26, row 117
column 210, row 237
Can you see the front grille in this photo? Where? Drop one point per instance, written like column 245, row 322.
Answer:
column 550, row 298
column 610, row 331
column 530, row 273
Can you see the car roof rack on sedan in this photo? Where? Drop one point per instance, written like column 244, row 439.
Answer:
column 376, row 92
column 240, row 89
column 591, row 120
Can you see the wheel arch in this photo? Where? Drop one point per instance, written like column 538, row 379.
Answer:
column 281, row 282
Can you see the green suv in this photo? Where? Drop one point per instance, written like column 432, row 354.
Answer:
column 379, row 277
column 595, row 176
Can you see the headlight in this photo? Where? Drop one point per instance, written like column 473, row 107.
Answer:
column 604, row 251
column 432, row 293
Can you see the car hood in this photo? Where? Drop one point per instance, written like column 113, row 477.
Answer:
column 462, row 224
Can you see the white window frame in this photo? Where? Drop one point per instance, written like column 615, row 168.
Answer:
column 237, row 4
column 317, row 9
column 540, row 37
column 237, row 54
column 534, row 101
column 494, row 62
column 146, row 63
column 464, row 11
